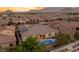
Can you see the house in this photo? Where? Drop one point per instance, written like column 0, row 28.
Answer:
column 65, row 26
column 7, row 37
column 39, row 31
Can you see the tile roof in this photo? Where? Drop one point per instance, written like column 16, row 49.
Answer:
column 65, row 26
column 7, row 35
column 6, row 39
column 37, row 30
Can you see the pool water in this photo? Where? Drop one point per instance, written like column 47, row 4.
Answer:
column 48, row 41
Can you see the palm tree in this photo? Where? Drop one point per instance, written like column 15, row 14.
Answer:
column 30, row 45
column 62, row 37
column 10, row 22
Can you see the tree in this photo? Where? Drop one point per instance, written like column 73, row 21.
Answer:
column 76, row 35
column 30, row 45
column 62, row 38
column 10, row 22
column 60, row 19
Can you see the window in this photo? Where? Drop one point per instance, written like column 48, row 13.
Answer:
column 39, row 36
column 11, row 45
column 77, row 28
column 50, row 34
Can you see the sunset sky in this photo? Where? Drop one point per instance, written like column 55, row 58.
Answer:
column 15, row 9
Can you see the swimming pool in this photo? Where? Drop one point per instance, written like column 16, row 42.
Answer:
column 48, row 41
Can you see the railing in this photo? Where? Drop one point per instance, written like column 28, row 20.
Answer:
column 68, row 48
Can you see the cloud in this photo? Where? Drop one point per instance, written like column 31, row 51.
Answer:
column 36, row 3
column 2, row 9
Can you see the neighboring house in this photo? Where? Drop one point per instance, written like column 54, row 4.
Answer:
column 7, row 41
column 65, row 26
column 7, row 37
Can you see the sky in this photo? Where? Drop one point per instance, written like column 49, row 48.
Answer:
column 26, row 5
column 36, row 3
column 15, row 9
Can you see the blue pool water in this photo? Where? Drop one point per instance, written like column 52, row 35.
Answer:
column 48, row 41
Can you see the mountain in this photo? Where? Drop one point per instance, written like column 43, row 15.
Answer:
column 47, row 9
column 52, row 9
column 57, row 9
column 70, row 9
